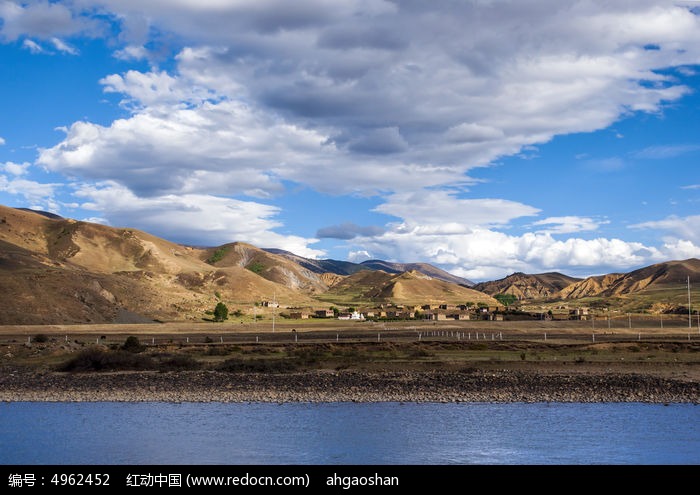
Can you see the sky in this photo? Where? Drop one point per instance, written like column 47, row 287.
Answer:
column 485, row 137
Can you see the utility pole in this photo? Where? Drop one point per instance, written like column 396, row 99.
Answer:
column 690, row 313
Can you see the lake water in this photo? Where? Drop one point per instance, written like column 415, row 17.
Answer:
column 348, row 433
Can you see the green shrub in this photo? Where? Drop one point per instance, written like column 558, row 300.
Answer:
column 132, row 344
column 218, row 255
column 256, row 267
column 97, row 359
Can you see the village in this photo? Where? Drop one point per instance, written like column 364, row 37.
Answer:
column 435, row 312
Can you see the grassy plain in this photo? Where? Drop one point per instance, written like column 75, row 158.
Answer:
column 547, row 346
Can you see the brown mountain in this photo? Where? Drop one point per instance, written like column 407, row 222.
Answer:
column 668, row 275
column 273, row 267
column 524, row 286
column 424, row 268
column 348, row 268
column 58, row 270
column 404, row 288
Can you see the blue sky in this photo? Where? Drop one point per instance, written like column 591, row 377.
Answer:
column 485, row 137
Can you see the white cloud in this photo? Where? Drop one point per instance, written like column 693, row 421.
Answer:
column 666, row 152
column 484, row 254
column 368, row 97
column 15, row 168
column 397, row 112
column 691, row 186
column 32, row 46
column 207, row 147
column 196, row 219
column 153, row 89
column 444, row 211
column 359, row 256
column 64, row 47
column 686, row 228
column 43, row 20
column 568, row 224
column 132, row 52
column 472, row 133
column 100, row 220
column 2, row 141
column 40, row 194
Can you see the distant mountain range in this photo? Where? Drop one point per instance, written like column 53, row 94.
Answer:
column 348, row 268
column 56, row 270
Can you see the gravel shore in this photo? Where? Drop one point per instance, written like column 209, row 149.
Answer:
column 345, row 386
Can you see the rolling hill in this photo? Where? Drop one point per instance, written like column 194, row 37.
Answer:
column 56, row 270
column 403, row 288
column 59, row 270
column 670, row 274
column 524, row 286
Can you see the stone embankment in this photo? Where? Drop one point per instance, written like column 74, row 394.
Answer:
column 346, row 386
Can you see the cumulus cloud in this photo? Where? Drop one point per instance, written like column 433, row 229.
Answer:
column 2, row 141
column 207, row 147
column 443, row 210
column 132, row 52
column 196, row 219
column 37, row 193
column 43, row 20
column 484, row 254
column 367, row 97
column 473, row 82
column 15, row 168
column 348, row 230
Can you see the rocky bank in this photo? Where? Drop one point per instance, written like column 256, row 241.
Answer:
column 346, row 386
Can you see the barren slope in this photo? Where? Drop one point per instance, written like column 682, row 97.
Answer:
column 524, row 286
column 671, row 273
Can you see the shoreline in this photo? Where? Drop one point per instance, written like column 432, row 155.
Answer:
column 472, row 386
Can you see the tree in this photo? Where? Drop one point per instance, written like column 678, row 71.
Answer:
column 132, row 344
column 220, row 312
